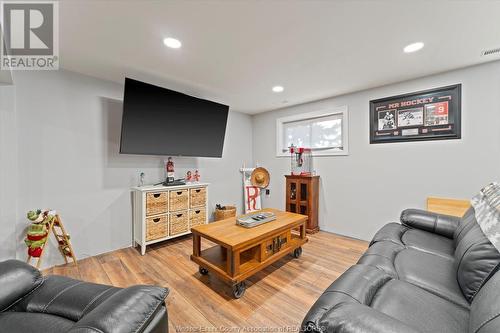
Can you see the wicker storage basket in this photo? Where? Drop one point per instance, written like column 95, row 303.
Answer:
column 198, row 197
column 156, row 203
column 227, row 212
column 178, row 200
column 156, row 227
column 197, row 217
column 179, row 223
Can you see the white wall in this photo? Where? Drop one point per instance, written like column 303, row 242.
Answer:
column 68, row 132
column 59, row 144
column 363, row 191
column 8, row 172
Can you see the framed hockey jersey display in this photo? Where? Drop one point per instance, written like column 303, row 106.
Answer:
column 433, row 114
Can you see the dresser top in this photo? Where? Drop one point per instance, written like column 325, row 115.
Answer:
column 152, row 188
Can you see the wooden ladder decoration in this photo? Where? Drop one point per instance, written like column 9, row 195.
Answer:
column 62, row 238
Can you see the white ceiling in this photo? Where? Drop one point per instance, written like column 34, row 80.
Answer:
column 234, row 51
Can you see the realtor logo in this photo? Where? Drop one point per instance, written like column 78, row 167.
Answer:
column 30, row 35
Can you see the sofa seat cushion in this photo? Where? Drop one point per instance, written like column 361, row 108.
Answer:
column 415, row 238
column 434, row 273
column 420, row 309
column 26, row 322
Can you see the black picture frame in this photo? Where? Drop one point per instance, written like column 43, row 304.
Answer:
column 433, row 114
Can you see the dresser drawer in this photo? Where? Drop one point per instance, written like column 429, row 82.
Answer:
column 179, row 200
column 156, row 203
column 197, row 216
column 156, row 227
column 198, row 197
column 179, row 222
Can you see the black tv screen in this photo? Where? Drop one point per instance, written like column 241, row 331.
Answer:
column 159, row 121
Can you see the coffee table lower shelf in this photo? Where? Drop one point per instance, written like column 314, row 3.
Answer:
column 234, row 265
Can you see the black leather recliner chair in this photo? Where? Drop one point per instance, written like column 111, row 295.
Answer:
column 432, row 273
column 30, row 302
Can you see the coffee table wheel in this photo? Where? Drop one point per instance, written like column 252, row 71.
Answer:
column 203, row 271
column 297, row 252
column 239, row 289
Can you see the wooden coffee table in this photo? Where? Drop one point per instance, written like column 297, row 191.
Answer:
column 241, row 252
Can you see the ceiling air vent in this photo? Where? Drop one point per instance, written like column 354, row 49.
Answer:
column 491, row 52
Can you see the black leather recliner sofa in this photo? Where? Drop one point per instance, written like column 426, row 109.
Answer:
column 432, row 273
column 30, row 302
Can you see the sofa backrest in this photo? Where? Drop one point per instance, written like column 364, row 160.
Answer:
column 465, row 225
column 485, row 309
column 476, row 258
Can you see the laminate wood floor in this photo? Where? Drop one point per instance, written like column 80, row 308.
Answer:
column 276, row 298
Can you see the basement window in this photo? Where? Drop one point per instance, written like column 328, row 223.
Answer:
column 324, row 131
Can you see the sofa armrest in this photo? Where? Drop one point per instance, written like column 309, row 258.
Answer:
column 17, row 280
column 128, row 310
column 440, row 224
column 355, row 317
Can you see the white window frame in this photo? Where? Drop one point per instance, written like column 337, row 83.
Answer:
column 341, row 110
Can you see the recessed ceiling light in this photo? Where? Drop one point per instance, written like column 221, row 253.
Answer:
column 172, row 43
column 414, row 47
column 278, row 89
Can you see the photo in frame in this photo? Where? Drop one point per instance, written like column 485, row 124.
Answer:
column 386, row 120
column 433, row 114
column 411, row 117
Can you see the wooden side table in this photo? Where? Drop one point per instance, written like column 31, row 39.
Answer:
column 302, row 197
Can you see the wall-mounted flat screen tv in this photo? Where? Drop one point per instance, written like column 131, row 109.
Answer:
column 159, row 121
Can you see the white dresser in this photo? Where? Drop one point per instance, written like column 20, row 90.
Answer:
column 165, row 212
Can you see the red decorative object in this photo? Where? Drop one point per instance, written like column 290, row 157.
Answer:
column 44, row 222
column 170, row 170
column 35, row 252
column 170, row 165
column 301, row 161
column 196, row 176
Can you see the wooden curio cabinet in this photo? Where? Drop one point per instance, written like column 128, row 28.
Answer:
column 302, row 197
